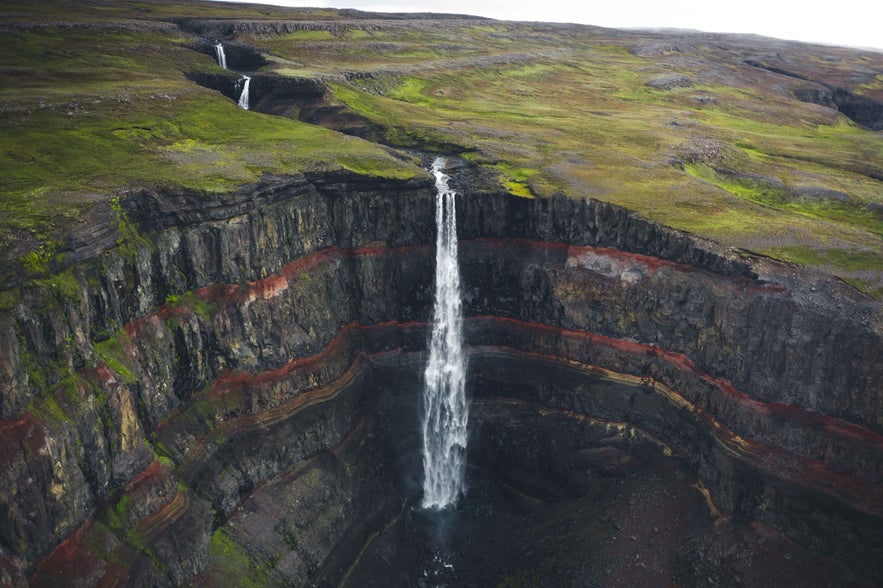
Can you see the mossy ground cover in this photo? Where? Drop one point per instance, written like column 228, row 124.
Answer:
column 668, row 126
column 591, row 124
column 198, row 140
column 87, row 113
column 147, row 10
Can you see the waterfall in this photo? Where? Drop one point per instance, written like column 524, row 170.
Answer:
column 443, row 404
column 219, row 52
column 243, row 98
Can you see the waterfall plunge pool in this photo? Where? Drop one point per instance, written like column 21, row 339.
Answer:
column 553, row 497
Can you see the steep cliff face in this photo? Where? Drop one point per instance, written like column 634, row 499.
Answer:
column 204, row 393
column 82, row 418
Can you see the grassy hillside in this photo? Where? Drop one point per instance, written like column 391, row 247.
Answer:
column 701, row 132
column 88, row 111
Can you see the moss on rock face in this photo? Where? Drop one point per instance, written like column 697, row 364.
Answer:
column 231, row 565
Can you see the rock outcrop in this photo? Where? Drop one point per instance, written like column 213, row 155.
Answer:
column 208, row 387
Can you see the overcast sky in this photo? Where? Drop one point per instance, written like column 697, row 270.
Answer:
column 855, row 23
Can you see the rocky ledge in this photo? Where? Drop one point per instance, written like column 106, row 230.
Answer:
column 209, row 392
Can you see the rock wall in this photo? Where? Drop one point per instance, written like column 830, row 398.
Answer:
column 154, row 391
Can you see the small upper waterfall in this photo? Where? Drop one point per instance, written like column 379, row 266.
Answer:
column 219, row 52
column 443, row 403
column 243, row 98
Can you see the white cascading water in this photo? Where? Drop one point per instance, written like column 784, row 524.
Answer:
column 444, row 409
column 219, row 53
column 243, row 98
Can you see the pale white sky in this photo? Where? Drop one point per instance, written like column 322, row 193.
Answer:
column 854, row 23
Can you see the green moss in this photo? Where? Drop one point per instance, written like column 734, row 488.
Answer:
column 291, row 540
column 412, row 90
column 37, row 262
column 63, row 404
column 191, row 302
column 9, row 298
column 112, row 537
column 517, row 188
column 200, row 419
column 164, row 461
column 162, row 453
column 112, row 353
column 118, row 516
column 111, row 109
column 63, row 284
column 849, row 259
column 765, row 195
column 42, row 374
column 48, row 409
column 872, row 289
column 97, row 110
column 591, row 127
column 130, row 241
column 230, row 564
column 99, row 540
column 516, row 179
column 850, row 265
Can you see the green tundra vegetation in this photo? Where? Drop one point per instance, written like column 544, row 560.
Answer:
column 703, row 133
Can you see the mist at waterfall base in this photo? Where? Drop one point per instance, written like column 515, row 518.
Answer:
column 518, row 523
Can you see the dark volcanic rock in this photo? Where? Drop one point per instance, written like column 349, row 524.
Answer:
column 819, row 194
column 669, row 82
column 270, row 94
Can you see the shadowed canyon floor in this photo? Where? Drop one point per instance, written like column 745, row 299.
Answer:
column 618, row 512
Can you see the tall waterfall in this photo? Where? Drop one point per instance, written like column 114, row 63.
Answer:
column 243, row 98
column 219, row 53
column 444, row 410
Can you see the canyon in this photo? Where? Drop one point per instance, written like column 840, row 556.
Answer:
column 215, row 321
column 245, row 415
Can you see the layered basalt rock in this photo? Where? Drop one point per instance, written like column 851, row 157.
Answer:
column 222, row 371
column 270, row 94
column 863, row 110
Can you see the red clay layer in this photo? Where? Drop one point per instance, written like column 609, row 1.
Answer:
column 773, row 460
column 786, row 411
column 770, row 459
column 831, row 426
column 267, row 288
column 230, row 380
column 647, row 262
column 73, row 559
column 27, row 428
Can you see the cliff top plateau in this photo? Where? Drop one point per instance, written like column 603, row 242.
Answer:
column 768, row 147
